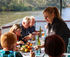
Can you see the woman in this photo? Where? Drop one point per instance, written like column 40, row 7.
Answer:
column 8, row 43
column 32, row 23
column 26, row 35
column 55, row 24
column 54, row 46
column 17, row 30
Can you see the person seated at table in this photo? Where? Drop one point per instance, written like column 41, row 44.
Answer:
column 8, row 43
column 26, row 35
column 17, row 30
column 54, row 46
column 32, row 27
column 32, row 23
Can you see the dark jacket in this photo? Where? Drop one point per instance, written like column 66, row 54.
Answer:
column 60, row 28
column 32, row 29
column 25, row 32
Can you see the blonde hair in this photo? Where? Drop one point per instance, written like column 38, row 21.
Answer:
column 32, row 18
column 8, row 40
column 26, row 19
column 14, row 28
column 51, row 10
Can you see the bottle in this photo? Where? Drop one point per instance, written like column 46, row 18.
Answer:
column 38, row 43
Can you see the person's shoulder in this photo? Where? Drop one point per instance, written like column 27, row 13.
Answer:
column 33, row 26
column 59, row 21
column 1, row 51
column 18, row 54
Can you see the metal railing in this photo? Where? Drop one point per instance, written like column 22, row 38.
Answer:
column 4, row 27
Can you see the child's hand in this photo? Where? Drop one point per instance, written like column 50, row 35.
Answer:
column 37, row 47
column 32, row 54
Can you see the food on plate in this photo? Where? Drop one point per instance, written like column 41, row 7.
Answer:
column 27, row 47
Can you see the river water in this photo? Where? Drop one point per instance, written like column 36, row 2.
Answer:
column 66, row 13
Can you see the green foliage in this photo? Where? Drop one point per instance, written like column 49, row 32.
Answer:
column 25, row 5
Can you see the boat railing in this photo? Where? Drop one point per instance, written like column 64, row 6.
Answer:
column 8, row 26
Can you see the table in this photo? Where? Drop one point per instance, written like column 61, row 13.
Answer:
column 33, row 42
column 28, row 53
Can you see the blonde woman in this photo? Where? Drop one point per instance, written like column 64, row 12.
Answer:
column 26, row 35
column 55, row 23
column 17, row 30
column 32, row 23
column 32, row 26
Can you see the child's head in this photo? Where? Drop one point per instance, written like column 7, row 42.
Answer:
column 8, row 40
column 16, row 29
column 32, row 21
column 26, row 22
column 54, row 45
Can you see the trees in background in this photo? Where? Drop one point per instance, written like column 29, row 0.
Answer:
column 24, row 5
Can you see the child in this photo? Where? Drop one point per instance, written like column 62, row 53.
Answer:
column 8, row 43
column 54, row 46
column 17, row 30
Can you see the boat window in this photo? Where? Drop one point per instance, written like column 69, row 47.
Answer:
column 66, row 9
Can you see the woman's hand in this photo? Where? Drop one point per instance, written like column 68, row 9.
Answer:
column 39, row 46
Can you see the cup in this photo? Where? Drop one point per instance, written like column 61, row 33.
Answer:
column 43, row 34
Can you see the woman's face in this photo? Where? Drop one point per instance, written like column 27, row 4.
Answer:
column 18, row 32
column 48, row 17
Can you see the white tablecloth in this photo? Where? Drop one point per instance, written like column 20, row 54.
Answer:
column 28, row 53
